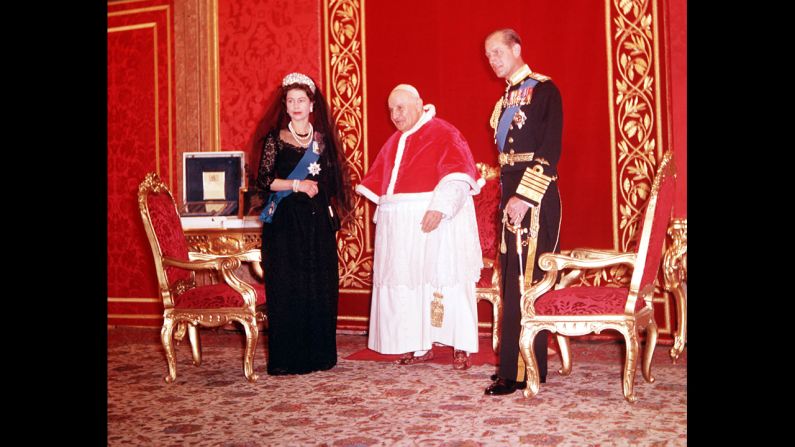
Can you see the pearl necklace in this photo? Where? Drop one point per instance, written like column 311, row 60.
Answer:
column 303, row 141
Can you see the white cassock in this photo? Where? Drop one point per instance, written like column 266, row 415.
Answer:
column 411, row 265
column 428, row 167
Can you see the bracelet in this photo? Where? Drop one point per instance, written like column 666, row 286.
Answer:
column 295, row 185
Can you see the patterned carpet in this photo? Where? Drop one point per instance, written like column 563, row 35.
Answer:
column 363, row 403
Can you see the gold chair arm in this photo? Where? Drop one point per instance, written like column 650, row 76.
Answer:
column 253, row 256
column 216, row 263
column 591, row 253
column 226, row 265
column 197, row 256
column 569, row 278
column 552, row 263
column 556, row 262
column 246, row 291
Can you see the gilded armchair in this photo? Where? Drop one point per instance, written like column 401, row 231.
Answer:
column 573, row 311
column 487, row 205
column 188, row 306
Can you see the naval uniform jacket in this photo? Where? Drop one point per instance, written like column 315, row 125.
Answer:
column 536, row 128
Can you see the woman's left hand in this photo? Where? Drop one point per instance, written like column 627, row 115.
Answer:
column 309, row 187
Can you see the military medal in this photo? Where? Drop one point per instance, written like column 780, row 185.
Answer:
column 519, row 118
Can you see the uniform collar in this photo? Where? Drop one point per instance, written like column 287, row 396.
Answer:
column 519, row 75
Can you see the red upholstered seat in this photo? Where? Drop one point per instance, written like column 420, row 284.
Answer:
column 213, row 296
column 572, row 311
column 584, row 301
column 187, row 305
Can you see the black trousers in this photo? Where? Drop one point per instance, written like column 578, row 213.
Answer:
column 510, row 367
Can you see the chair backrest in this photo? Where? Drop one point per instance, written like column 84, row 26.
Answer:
column 655, row 222
column 163, row 229
column 487, row 205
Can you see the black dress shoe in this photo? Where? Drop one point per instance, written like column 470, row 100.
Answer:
column 495, row 377
column 502, row 386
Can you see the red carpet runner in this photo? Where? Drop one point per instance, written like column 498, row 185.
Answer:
column 441, row 354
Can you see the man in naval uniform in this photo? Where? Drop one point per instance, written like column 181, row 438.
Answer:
column 528, row 124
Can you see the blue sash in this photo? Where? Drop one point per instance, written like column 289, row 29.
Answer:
column 508, row 113
column 300, row 172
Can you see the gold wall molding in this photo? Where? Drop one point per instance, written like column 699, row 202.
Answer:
column 197, row 79
column 635, row 110
column 167, row 10
column 346, row 87
column 353, row 318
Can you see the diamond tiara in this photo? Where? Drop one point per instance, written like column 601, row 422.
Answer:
column 298, row 78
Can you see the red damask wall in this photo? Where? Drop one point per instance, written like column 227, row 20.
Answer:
column 440, row 51
column 677, row 51
column 140, row 140
column 436, row 45
column 259, row 42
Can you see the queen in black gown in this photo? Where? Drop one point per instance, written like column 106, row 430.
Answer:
column 299, row 252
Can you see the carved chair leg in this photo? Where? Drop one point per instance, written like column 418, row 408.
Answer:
column 195, row 344
column 680, row 336
column 565, row 354
column 168, row 344
column 630, row 363
column 526, row 338
column 252, row 333
column 179, row 334
column 651, row 343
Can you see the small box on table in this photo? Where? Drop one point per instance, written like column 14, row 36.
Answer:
column 213, row 183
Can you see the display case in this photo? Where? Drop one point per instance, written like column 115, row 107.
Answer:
column 214, row 189
column 212, row 183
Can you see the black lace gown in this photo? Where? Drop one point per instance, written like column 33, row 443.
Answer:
column 299, row 257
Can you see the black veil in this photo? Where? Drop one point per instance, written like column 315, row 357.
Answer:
column 333, row 156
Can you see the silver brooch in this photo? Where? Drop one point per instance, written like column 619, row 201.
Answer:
column 314, row 168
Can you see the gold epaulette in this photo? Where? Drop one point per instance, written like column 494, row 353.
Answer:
column 534, row 184
column 495, row 115
column 539, row 77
